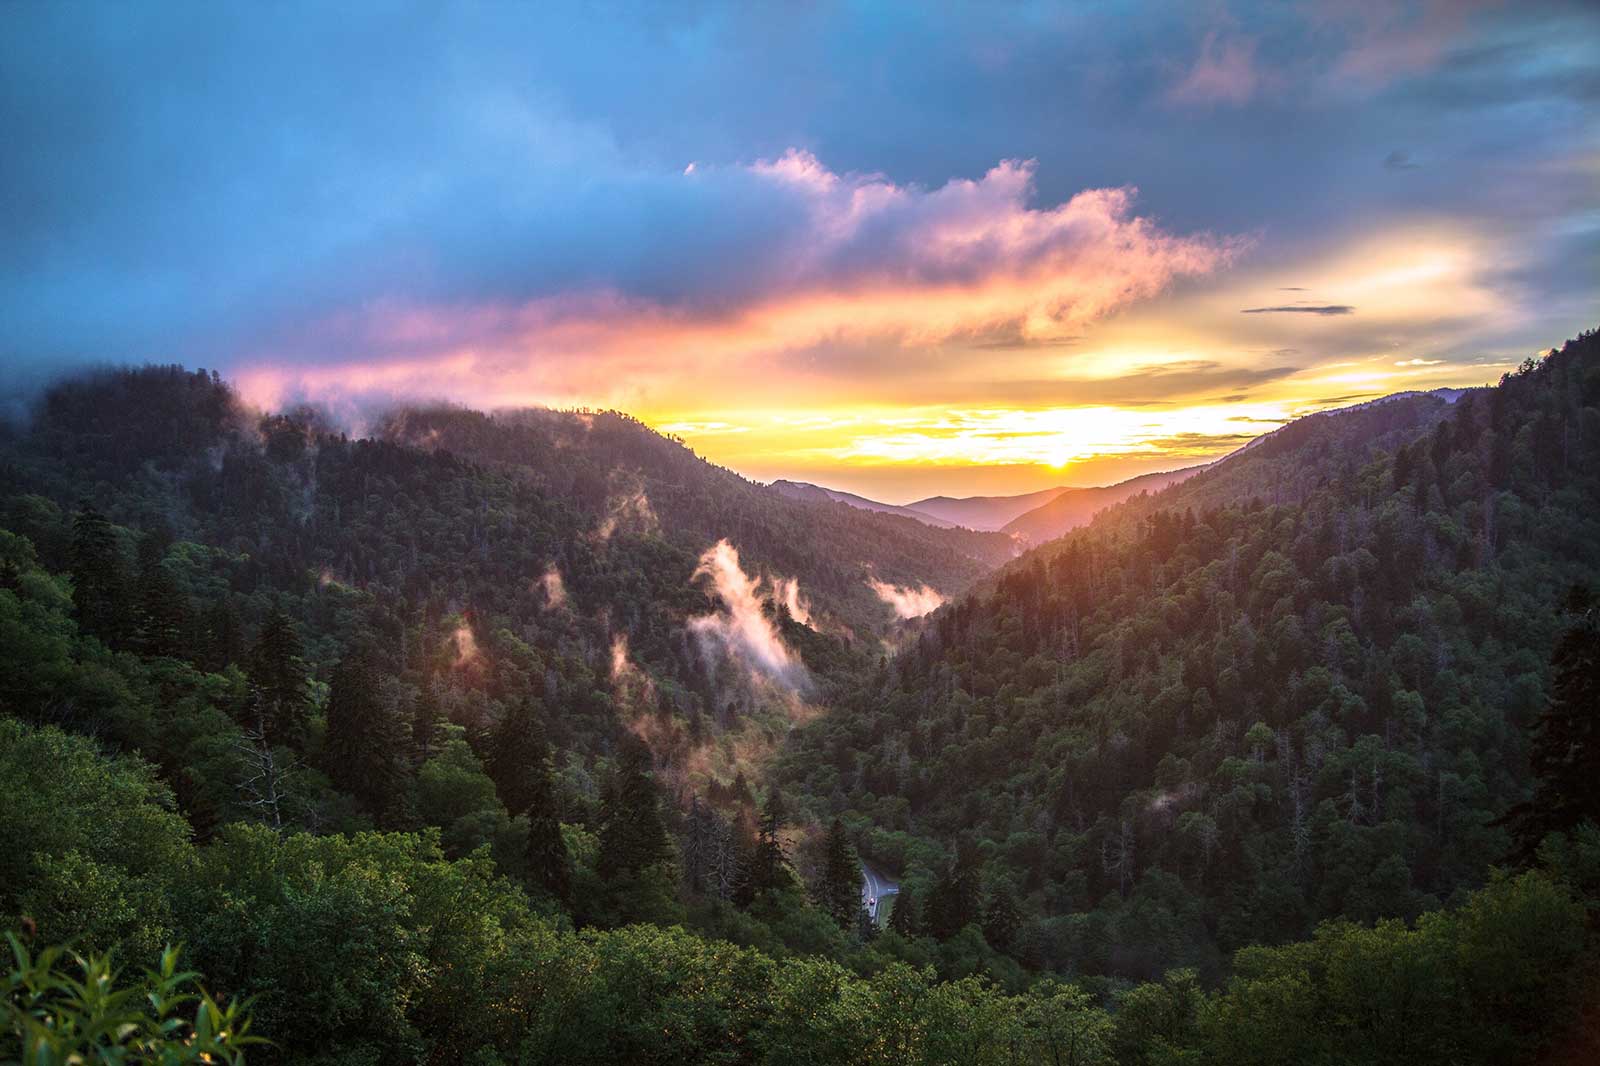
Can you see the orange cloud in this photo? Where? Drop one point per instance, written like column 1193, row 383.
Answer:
column 869, row 262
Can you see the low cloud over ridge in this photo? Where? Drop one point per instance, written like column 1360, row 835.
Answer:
column 742, row 628
column 905, row 601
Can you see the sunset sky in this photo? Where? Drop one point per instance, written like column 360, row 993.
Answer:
column 896, row 249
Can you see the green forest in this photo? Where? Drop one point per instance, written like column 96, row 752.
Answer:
column 535, row 738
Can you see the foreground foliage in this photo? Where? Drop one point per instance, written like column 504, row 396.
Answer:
column 377, row 948
column 61, row 1009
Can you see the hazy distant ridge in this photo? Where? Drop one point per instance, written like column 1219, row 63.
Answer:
column 1071, row 508
column 809, row 493
column 985, row 512
column 1033, row 516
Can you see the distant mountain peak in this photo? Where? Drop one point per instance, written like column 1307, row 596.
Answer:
column 985, row 512
column 806, row 491
column 1068, row 509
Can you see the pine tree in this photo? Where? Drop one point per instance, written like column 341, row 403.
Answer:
column 518, row 754
column 632, row 836
column 549, row 866
column 1566, row 743
column 160, row 604
column 839, row 890
column 953, row 903
column 278, row 681
column 427, row 723
column 768, row 867
column 698, row 844
column 222, row 634
column 367, row 742
column 99, row 579
column 1002, row 918
column 866, row 925
column 903, row 916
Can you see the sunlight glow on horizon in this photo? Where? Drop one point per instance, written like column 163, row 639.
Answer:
column 1065, row 249
column 903, row 452
column 989, row 350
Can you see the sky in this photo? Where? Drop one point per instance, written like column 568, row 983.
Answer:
column 900, row 249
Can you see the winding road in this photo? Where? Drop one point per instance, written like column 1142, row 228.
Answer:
column 874, row 886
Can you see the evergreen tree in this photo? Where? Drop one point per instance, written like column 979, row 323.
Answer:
column 366, row 743
column 953, row 904
column 839, row 889
column 518, row 754
column 427, row 724
column 549, row 866
column 632, row 836
column 1566, row 744
column 903, row 915
column 221, row 634
column 768, row 867
column 866, row 925
column 1002, row 917
column 279, row 682
column 99, row 579
column 520, row 765
column 161, row 606
column 698, row 846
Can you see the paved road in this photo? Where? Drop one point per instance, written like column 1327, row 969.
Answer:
column 874, row 886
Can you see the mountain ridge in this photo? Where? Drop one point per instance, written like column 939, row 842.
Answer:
column 806, row 490
column 985, row 512
column 1298, row 685
column 1072, row 508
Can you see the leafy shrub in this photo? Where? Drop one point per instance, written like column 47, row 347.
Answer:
column 60, row 1007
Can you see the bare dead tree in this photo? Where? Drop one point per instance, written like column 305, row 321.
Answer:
column 268, row 785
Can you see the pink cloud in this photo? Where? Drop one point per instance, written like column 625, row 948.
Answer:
column 868, row 262
column 1387, row 42
column 1225, row 72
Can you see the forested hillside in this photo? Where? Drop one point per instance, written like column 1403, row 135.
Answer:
column 545, row 556
column 536, row 739
column 376, row 948
column 1299, row 685
column 616, row 470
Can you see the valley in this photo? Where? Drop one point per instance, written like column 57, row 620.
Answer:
column 813, row 534
column 1298, row 684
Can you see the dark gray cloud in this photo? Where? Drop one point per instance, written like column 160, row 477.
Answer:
column 1399, row 159
column 1301, row 309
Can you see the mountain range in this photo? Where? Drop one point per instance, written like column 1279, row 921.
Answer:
column 984, row 512
column 804, row 490
column 595, row 728
column 1032, row 517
